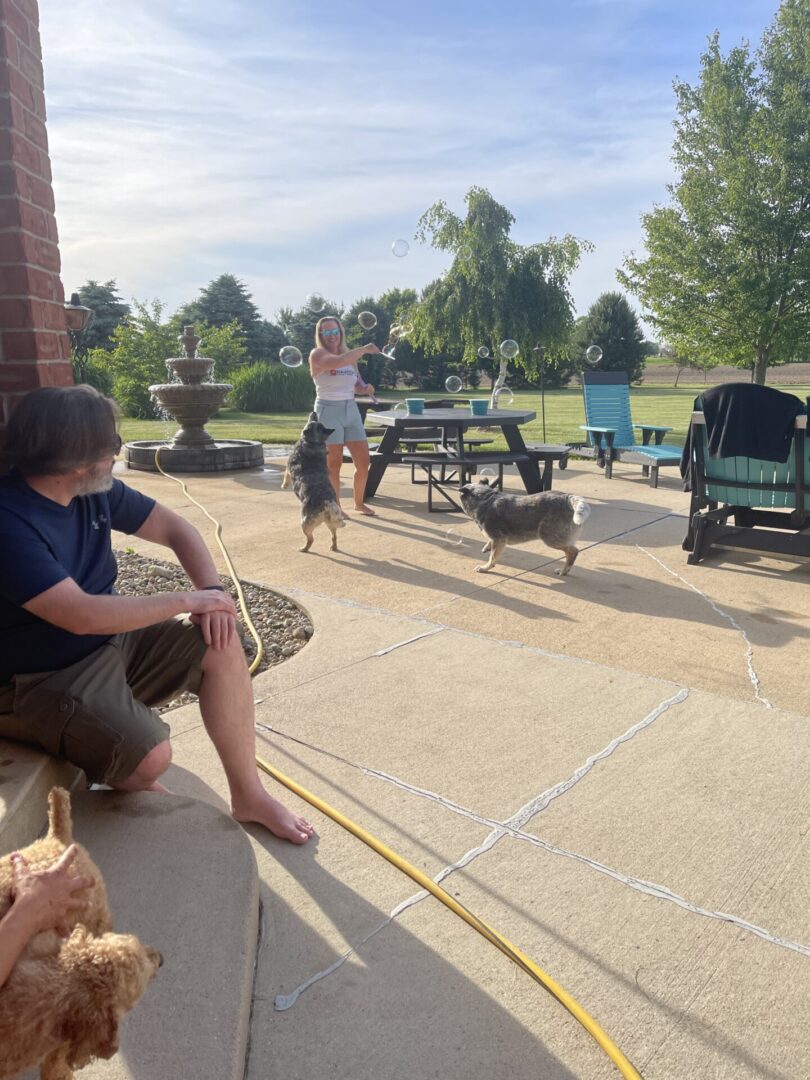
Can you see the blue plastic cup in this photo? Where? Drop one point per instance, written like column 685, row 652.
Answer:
column 479, row 406
column 416, row 405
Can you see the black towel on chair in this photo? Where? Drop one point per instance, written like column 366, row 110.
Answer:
column 746, row 420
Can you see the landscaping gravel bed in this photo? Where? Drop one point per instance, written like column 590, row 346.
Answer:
column 283, row 627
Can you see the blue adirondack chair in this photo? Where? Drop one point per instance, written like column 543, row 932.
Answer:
column 611, row 431
column 769, row 501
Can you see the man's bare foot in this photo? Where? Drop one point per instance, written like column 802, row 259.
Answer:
column 363, row 509
column 281, row 822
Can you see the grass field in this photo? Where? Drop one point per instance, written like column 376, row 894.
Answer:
column 564, row 414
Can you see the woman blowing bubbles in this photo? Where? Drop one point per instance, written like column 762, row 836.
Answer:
column 335, row 374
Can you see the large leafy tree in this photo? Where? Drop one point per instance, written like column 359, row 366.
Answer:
column 727, row 272
column 226, row 300
column 109, row 310
column 495, row 288
column 612, row 325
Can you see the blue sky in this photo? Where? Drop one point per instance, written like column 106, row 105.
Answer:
column 291, row 144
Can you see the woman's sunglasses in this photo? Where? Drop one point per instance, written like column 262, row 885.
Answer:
column 330, row 333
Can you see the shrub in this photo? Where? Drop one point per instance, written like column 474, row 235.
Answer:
column 94, row 374
column 134, row 399
column 267, row 388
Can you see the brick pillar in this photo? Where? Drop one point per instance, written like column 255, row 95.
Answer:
column 34, row 348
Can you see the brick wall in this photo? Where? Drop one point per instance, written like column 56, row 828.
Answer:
column 34, row 348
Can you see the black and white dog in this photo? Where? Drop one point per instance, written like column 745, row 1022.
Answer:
column 307, row 472
column 550, row 516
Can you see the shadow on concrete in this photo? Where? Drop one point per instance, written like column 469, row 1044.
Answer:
column 620, row 591
column 403, row 1011
column 398, row 1008
column 423, row 577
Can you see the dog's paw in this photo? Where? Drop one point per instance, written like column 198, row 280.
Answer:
column 482, row 569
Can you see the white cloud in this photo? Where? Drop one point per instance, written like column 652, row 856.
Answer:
column 191, row 141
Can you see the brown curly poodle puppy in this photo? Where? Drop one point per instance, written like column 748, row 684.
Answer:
column 44, row 853
column 62, row 1011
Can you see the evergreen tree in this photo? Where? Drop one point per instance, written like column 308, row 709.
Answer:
column 226, row 300
column 109, row 310
column 612, row 325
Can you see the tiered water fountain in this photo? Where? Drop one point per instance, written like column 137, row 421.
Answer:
column 192, row 401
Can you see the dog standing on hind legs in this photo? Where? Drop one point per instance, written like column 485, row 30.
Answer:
column 550, row 516
column 308, row 473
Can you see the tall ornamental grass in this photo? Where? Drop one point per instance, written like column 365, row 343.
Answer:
column 271, row 388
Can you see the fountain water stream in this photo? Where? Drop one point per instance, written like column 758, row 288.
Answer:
column 192, row 401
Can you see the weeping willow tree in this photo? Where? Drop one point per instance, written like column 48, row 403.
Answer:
column 496, row 289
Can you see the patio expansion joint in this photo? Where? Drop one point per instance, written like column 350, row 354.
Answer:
column 513, row 828
column 749, row 649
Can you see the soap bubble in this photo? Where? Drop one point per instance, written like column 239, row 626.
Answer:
column 389, row 351
column 465, row 251
column 400, row 248
column 509, row 349
column 593, row 354
column 367, row 319
column 453, row 384
column 483, row 352
column 290, row 356
column 395, row 333
column 503, row 398
column 315, row 302
column 400, row 407
column 486, row 473
column 454, row 537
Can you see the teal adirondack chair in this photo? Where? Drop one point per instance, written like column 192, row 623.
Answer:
column 769, row 501
column 611, row 431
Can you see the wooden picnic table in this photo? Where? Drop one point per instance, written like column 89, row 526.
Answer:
column 453, row 423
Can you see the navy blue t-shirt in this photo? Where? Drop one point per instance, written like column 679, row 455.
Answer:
column 43, row 543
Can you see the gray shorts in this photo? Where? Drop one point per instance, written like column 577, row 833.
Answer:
column 344, row 417
column 98, row 713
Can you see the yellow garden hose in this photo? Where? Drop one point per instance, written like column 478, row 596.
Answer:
column 231, row 570
column 625, row 1067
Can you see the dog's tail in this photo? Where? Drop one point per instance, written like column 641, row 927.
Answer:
column 60, row 825
column 335, row 517
column 580, row 508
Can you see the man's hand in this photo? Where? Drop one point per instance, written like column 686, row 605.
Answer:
column 45, row 897
column 218, row 628
column 215, row 614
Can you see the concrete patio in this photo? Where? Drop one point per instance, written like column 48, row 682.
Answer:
column 640, row 727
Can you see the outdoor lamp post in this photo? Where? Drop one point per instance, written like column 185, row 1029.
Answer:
column 78, row 318
column 540, row 352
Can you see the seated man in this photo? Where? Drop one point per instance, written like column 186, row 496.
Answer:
column 82, row 668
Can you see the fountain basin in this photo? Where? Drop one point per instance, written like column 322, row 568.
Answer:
column 220, row 455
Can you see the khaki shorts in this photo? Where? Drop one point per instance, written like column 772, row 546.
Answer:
column 98, row 713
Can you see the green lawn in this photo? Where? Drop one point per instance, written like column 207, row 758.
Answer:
column 564, row 413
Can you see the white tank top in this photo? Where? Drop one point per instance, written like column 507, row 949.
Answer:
column 336, row 384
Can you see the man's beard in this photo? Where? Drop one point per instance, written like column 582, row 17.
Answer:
column 98, row 479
